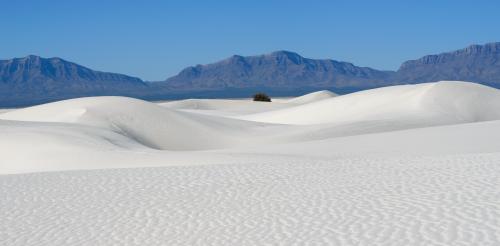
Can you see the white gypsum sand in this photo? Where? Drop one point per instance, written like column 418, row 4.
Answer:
column 401, row 165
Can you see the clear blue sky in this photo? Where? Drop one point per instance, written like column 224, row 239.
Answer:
column 156, row 39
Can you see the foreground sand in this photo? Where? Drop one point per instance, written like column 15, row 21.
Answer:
column 403, row 165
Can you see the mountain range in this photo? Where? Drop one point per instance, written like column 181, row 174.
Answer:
column 32, row 79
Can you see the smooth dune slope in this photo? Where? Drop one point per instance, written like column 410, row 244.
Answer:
column 123, row 132
column 33, row 147
column 241, row 105
column 231, row 107
column 446, row 102
column 312, row 97
column 143, row 122
column 224, row 107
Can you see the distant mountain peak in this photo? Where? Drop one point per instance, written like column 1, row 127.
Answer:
column 34, row 59
column 276, row 69
column 288, row 55
column 478, row 63
column 26, row 58
column 234, row 59
column 191, row 71
column 31, row 57
column 284, row 53
column 34, row 79
column 489, row 49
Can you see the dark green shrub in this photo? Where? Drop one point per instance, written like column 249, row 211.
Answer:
column 261, row 97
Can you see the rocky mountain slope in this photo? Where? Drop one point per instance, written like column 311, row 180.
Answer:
column 478, row 63
column 32, row 79
column 35, row 79
column 281, row 69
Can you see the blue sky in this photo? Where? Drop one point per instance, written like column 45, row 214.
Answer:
column 156, row 39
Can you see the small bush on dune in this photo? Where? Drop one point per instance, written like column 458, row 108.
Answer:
column 261, row 97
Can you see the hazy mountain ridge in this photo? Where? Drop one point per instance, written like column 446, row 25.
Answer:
column 277, row 69
column 36, row 79
column 472, row 50
column 32, row 79
column 33, row 68
column 478, row 63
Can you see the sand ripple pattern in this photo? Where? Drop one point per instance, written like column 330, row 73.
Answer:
column 448, row 200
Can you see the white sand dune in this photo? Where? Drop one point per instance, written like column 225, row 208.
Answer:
column 401, row 165
column 446, row 102
column 119, row 126
column 146, row 123
column 312, row 97
column 233, row 107
column 54, row 146
column 224, row 107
